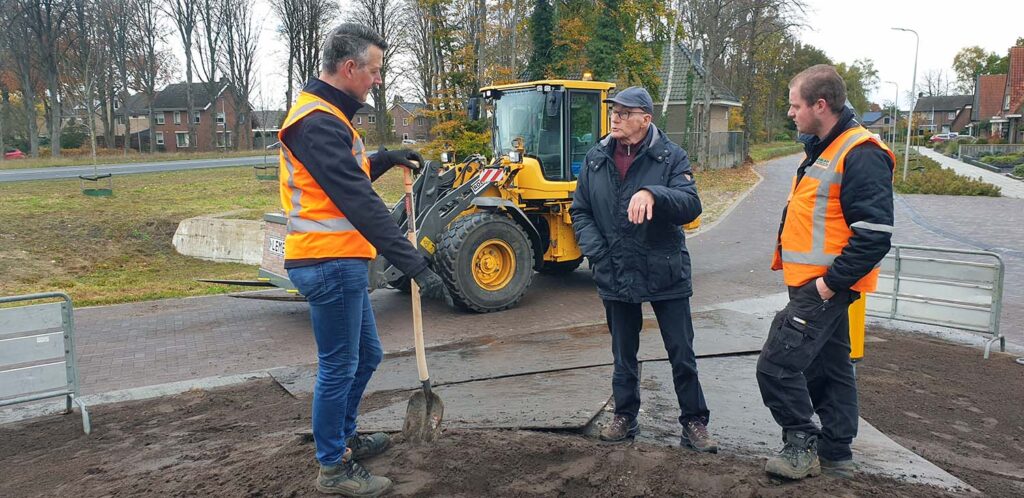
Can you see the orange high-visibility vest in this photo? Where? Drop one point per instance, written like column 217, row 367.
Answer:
column 316, row 227
column 815, row 232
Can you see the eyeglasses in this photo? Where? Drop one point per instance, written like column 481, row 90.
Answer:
column 624, row 114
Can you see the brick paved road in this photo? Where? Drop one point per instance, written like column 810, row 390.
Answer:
column 139, row 344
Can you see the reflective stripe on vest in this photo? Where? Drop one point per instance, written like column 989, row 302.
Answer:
column 808, row 217
column 316, row 227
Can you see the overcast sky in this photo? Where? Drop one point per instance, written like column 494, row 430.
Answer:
column 857, row 30
column 845, row 31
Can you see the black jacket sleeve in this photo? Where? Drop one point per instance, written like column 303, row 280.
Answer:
column 866, row 199
column 379, row 164
column 592, row 243
column 324, row 146
column 678, row 201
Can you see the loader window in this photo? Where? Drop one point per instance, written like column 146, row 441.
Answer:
column 522, row 114
column 584, row 127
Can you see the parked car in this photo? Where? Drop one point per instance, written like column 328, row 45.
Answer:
column 943, row 137
column 13, row 154
column 408, row 141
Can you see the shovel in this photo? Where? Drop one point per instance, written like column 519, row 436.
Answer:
column 425, row 410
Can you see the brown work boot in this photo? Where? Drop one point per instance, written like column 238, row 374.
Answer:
column 348, row 478
column 364, row 446
column 843, row 469
column 798, row 458
column 695, row 436
column 620, row 429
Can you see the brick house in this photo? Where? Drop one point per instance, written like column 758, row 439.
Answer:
column 1011, row 122
column 988, row 104
column 216, row 113
column 409, row 122
column 365, row 120
column 938, row 114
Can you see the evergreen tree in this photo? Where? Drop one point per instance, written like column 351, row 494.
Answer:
column 542, row 24
column 606, row 43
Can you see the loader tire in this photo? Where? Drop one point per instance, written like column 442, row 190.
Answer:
column 560, row 267
column 486, row 260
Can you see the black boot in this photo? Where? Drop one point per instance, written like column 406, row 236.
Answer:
column 798, row 458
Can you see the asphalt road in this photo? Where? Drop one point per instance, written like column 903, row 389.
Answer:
column 64, row 172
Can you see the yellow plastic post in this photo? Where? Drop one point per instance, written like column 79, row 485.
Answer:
column 857, row 312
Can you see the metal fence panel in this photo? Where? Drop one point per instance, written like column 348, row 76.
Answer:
column 15, row 321
column 26, row 339
column 725, row 148
column 32, row 349
column 927, row 285
column 34, row 379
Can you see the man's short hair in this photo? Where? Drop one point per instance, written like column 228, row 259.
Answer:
column 349, row 41
column 821, row 82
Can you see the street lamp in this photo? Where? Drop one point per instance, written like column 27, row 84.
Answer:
column 910, row 112
column 895, row 109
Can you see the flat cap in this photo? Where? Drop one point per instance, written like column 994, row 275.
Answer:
column 634, row 96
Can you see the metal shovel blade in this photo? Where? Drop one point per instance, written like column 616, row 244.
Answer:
column 423, row 417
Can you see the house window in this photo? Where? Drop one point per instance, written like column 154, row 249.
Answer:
column 886, row 121
column 951, row 116
column 196, row 118
column 181, row 139
column 159, row 118
column 220, row 118
column 220, row 139
column 405, row 121
column 120, row 120
column 159, row 138
column 359, row 120
column 177, row 117
column 405, row 136
column 371, row 119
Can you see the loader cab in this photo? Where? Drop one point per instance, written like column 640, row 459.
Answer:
column 558, row 121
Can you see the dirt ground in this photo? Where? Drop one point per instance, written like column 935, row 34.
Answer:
column 941, row 400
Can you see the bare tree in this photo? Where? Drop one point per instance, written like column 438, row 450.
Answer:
column 420, row 41
column 17, row 37
column 212, row 14
column 240, row 42
column 934, row 83
column 83, row 62
column 150, row 64
column 185, row 16
column 116, row 22
column 386, row 17
column 304, row 24
column 45, row 19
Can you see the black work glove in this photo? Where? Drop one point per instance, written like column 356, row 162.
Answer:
column 431, row 285
column 403, row 157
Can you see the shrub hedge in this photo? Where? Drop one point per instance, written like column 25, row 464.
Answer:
column 928, row 177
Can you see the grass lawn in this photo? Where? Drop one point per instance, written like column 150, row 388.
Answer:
column 771, row 150
column 718, row 189
column 104, row 156
column 118, row 249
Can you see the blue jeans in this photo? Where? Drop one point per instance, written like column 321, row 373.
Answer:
column 348, row 348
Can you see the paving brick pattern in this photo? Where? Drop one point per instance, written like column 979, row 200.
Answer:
column 149, row 343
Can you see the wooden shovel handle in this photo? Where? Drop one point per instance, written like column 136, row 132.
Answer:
column 417, row 314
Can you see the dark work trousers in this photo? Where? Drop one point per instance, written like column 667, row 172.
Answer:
column 805, row 368
column 624, row 322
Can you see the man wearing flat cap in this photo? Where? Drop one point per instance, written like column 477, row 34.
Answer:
column 633, row 194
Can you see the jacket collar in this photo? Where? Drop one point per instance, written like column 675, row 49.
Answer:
column 338, row 98
column 814, row 146
column 608, row 143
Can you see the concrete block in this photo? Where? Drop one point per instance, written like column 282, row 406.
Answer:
column 220, row 238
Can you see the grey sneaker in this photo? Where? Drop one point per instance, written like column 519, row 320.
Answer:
column 348, row 478
column 368, row 445
column 798, row 458
column 695, row 435
column 620, row 429
column 843, row 469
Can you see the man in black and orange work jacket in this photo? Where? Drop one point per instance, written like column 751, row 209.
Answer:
column 836, row 229
column 336, row 225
